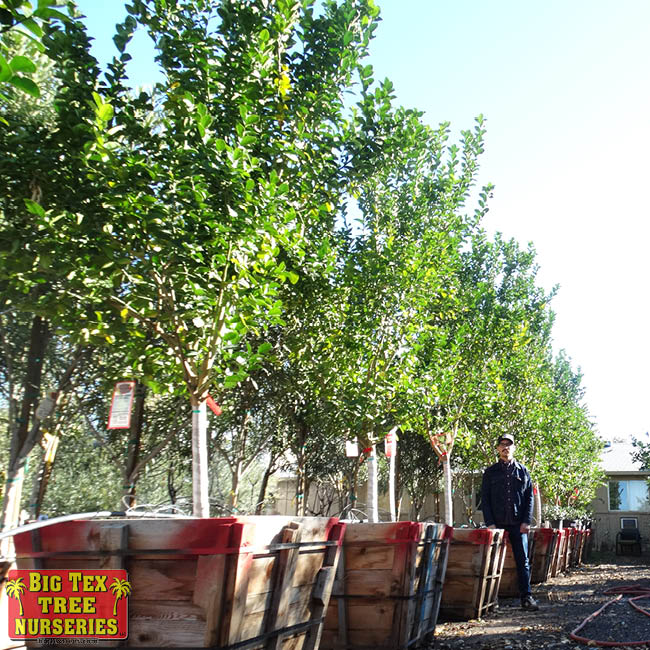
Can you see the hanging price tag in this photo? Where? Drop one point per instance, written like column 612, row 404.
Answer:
column 119, row 417
column 351, row 448
column 390, row 444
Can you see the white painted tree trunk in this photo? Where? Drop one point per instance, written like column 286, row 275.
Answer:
column 372, row 498
column 11, row 508
column 537, row 516
column 447, row 493
column 200, row 497
column 391, row 484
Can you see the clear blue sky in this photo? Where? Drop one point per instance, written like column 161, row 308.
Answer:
column 565, row 88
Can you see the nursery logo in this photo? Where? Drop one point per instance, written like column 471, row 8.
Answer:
column 68, row 604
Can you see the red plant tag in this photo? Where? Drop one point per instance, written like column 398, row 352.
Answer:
column 213, row 406
column 66, row 604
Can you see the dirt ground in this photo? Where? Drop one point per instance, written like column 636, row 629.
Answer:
column 564, row 603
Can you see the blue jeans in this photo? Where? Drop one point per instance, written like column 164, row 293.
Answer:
column 519, row 545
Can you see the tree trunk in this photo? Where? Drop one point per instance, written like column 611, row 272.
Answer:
column 301, row 483
column 134, row 447
column 449, row 508
column 233, row 497
column 42, row 477
column 200, row 495
column 239, row 452
column 261, row 497
column 538, row 505
column 399, row 488
column 23, row 437
column 391, row 485
column 305, row 495
column 372, row 498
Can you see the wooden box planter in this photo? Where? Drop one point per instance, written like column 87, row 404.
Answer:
column 565, row 561
column 248, row 582
column 559, row 553
column 388, row 586
column 575, row 541
column 544, row 546
column 473, row 572
column 585, row 546
column 509, row 584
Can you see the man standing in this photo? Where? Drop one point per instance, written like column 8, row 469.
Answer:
column 507, row 502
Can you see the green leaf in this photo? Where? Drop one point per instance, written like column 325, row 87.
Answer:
column 26, row 85
column 51, row 14
column 33, row 27
column 34, row 207
column 5, row 70
column 220, row 145
column 105, row 112
column 22, row 64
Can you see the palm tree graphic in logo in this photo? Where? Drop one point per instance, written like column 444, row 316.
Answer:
column 15, row 589
column 120, row 589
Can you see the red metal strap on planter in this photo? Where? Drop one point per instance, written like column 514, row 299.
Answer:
column 545, row 533
column 481, row 536
column 260, row 550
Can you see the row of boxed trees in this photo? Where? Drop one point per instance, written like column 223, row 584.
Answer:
column 246, row 231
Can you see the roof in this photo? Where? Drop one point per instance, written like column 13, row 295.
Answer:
column 616, row 457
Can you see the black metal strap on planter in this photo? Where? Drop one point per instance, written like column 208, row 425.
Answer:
column 259, row 551
column 285, row 631
column 419, row 630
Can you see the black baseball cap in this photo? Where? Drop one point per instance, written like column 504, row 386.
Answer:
column 506, row 436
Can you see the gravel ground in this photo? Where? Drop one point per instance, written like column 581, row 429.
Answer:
column 564, row 603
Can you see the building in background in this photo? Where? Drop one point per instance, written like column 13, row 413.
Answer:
column 624, row 501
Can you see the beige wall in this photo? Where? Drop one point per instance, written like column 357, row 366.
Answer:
column 285, row 503
column 607, row 523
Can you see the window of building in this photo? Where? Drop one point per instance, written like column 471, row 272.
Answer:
column 629, row 495
column 629, row 522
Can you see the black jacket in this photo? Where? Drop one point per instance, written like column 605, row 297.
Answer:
column 493, row 495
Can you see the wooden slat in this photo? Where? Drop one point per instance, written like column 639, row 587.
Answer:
column 163, row 579
column 114, row 537
column 404, row 575
column 308, row 565
column 209, row 593
column 238, row 568
column 369, row 557
column 340, row 589
column 284, row 568
column 419, row 621
column 162, row 633
column 441, row 572
column 381, row 583
column 319, row 605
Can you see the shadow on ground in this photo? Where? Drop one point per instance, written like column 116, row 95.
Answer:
column 565, row 601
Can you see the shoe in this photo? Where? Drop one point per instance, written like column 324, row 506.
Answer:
column 529, row 603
